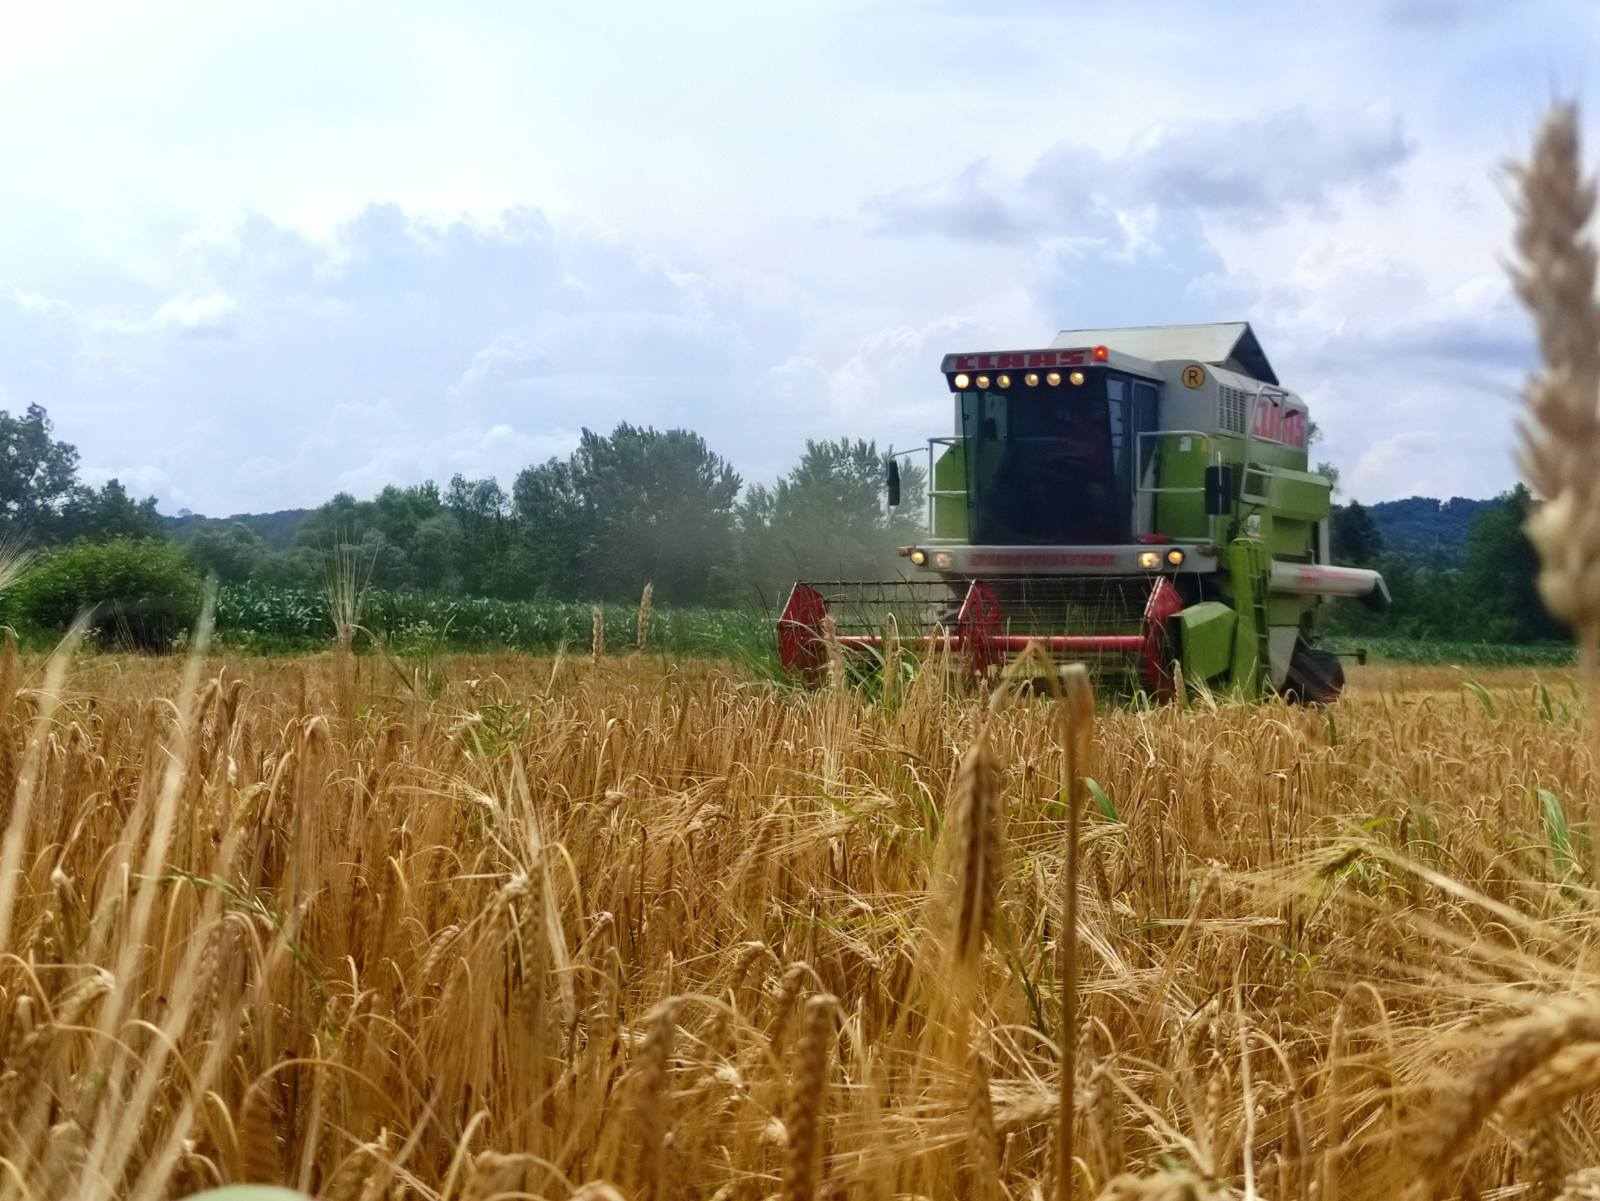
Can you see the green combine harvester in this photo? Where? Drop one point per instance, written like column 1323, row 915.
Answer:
column 1137, row 499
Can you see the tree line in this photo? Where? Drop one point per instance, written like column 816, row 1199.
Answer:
column 42, row 500
column 640, row 504
column 1491, row 596
column 635, row 505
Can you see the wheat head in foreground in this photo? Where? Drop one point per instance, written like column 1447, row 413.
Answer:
column 1524, row 1047
column 1555, row 277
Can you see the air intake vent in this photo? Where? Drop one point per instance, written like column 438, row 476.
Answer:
column 1233, row 406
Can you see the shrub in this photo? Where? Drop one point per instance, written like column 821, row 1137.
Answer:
column 142, row 593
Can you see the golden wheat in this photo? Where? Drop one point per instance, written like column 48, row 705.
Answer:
column 360, row 934
column 661, row 925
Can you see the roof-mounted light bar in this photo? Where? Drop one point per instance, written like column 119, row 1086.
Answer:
column 995, row 368
column 961, row 381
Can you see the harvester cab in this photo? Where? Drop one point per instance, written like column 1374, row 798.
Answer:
column 1138, row 499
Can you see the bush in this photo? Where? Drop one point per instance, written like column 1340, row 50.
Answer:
column 142, row 593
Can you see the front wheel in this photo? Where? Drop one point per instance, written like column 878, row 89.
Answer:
column 1316, row 677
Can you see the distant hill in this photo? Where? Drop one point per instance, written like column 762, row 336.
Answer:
column 277, row 530
column 1429, row 529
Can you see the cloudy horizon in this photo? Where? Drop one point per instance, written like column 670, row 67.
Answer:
column 256, row 257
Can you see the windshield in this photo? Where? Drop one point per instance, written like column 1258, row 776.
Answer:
column 1051, row 465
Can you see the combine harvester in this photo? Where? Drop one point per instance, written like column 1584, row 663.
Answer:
column 1138, row 499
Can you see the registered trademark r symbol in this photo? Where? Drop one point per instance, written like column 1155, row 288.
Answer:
column 1194, row 375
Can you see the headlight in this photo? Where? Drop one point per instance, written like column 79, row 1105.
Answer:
column 944, row 560
column 1031, row 379
column 1175, row 557
column 983, row 381
column 1076, row 379
column 961, row 382
column 1002, row 381
column 1053, row 378
column 1148, row 559
column 919, row 557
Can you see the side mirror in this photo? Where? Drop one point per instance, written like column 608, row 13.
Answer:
column 894, row 482
column 1219, row 489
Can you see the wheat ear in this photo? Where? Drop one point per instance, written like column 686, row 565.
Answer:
column 983, row 1144
column 642, row 633
column 803, row 1119
column 975, row 825
column 1555, row 277
column 649, row 1099
column 1529, row 1044
column 1077, row 727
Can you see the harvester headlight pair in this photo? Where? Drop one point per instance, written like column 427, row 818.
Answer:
column 1151, row 559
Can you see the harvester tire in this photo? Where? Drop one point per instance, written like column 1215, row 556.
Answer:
column 1316, row 677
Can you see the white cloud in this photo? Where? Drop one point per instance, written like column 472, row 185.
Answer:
column 209, row 313
column 141, row 479
column 382, row 247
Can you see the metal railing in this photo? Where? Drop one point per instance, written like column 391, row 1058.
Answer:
column 947, row 441
column 1139, row 463
column 1140, row 488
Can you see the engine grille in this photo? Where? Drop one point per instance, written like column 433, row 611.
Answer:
column 1233, row 407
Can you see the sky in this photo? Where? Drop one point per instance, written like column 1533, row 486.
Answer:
column 253, row 255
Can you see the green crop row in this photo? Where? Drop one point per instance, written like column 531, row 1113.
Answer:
column 253, row 616
column 278, row 619
column 1467, row 654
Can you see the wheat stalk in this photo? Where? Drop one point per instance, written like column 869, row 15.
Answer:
column 344, row 589
column 1555, row 277
column 15, row 559
column 804, row 1114
column 260, row 1154
column 975, row 823
column 1077, row 727
column 983, row 1144
column 1526, row 1046
column 1542, row 1164
column 642, row 636
column 1582, row 1185
column 650, row 1098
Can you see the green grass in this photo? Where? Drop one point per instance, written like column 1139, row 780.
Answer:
column 1475, row 654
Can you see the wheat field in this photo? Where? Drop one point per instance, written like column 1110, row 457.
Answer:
column 637, row 927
